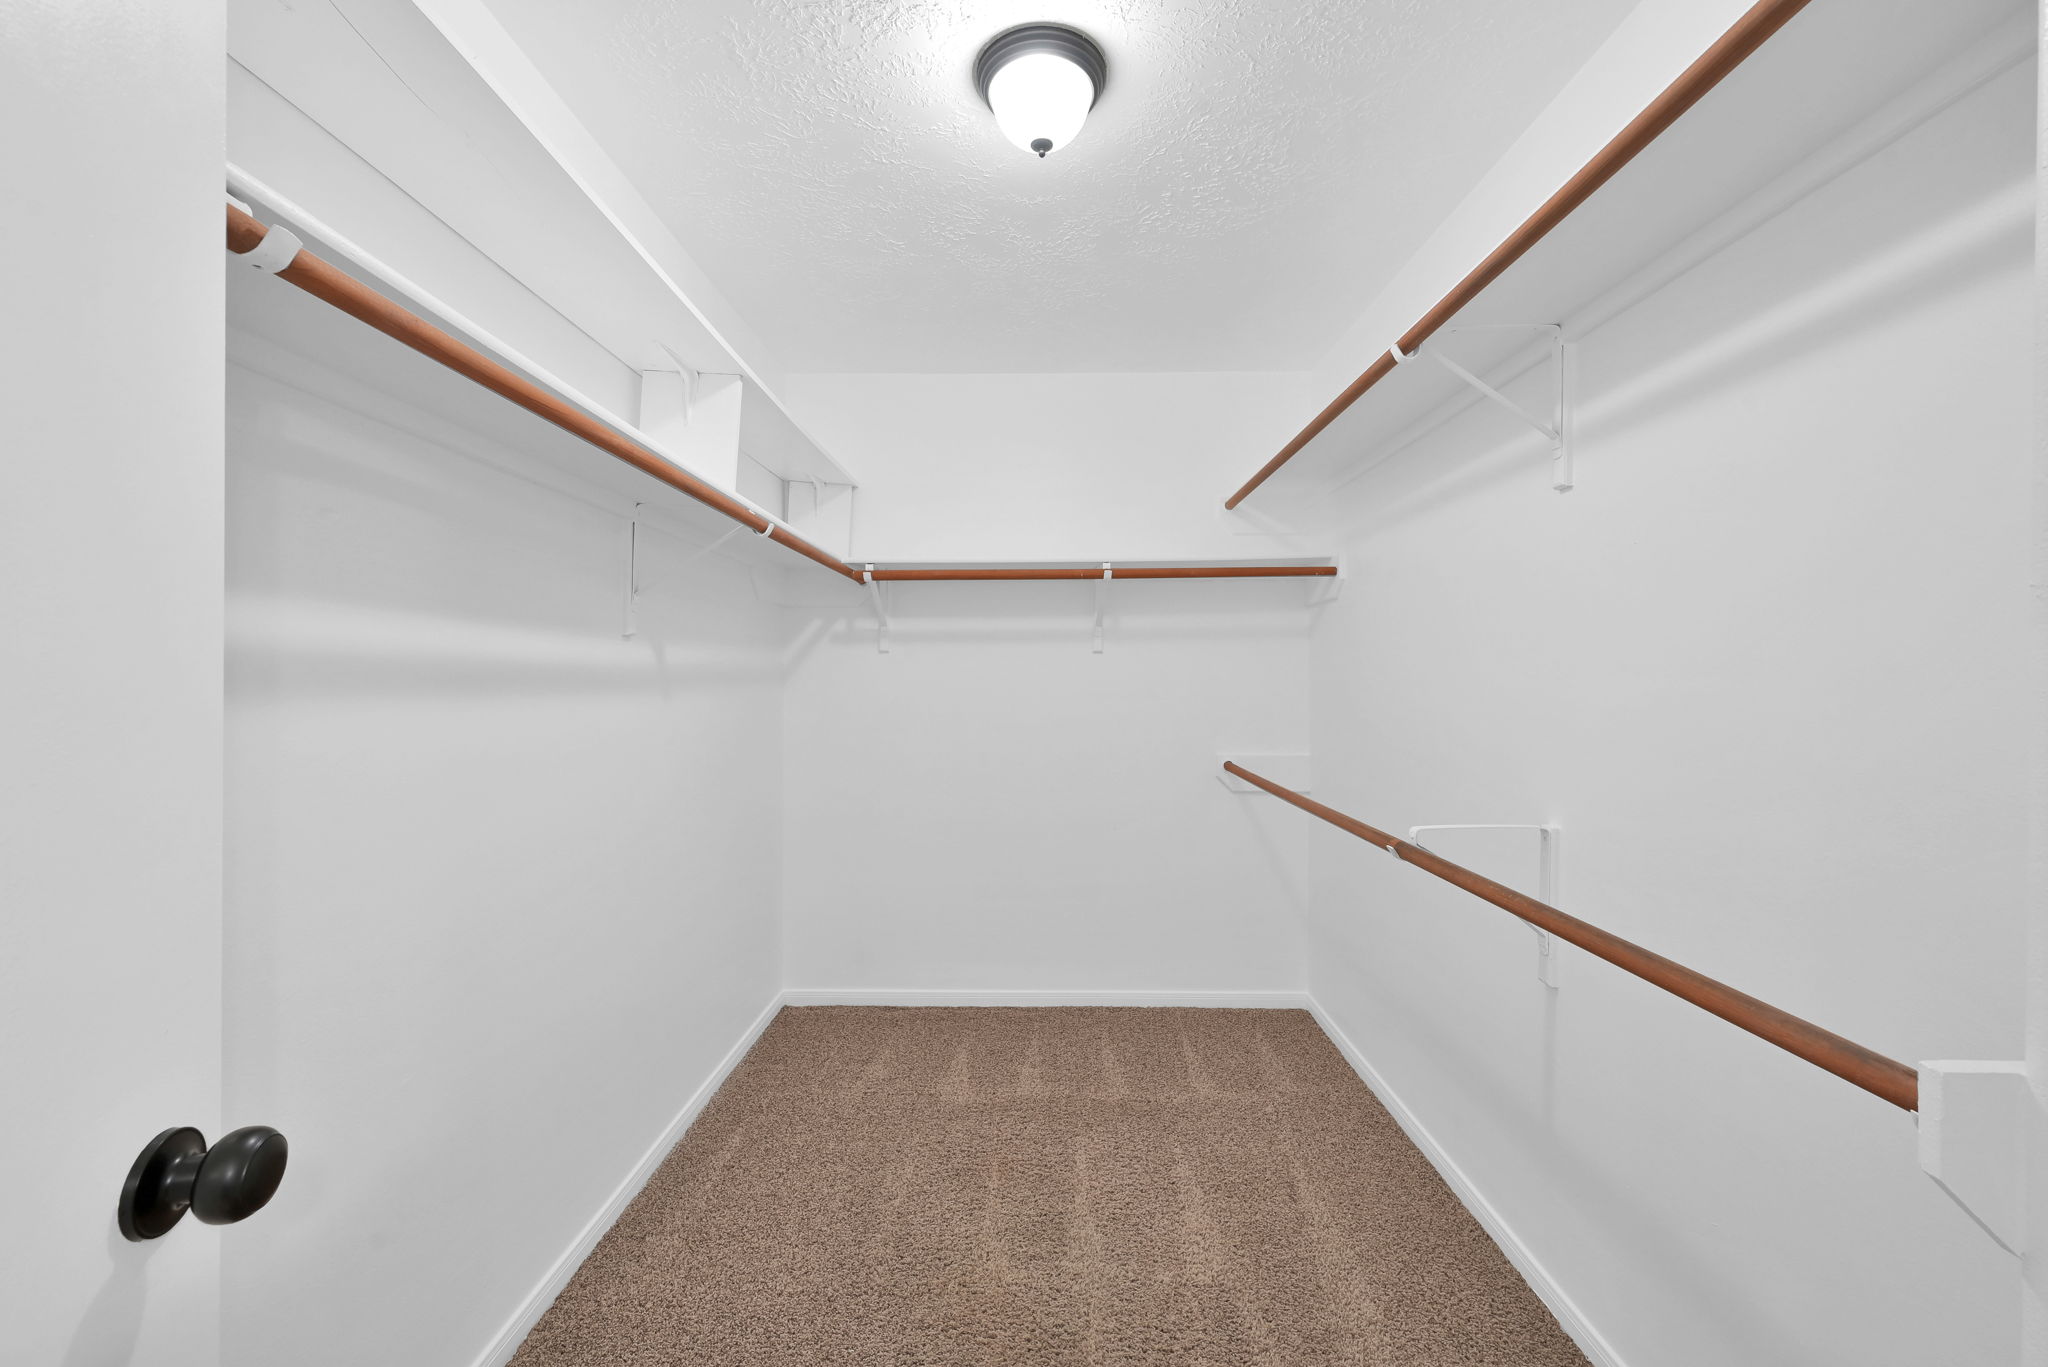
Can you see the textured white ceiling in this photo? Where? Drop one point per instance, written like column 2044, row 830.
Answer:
column 1254, row 172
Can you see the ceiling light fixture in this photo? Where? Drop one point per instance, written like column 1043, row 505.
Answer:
column 1040, row 81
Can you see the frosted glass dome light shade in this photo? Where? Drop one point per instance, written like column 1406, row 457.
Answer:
column 1040, row 101
column 1040, row 81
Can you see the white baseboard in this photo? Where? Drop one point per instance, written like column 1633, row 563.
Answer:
column 521, row 1324
column 921, row 996
column 1554, row 1297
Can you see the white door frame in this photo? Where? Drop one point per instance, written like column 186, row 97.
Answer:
column 111, row 370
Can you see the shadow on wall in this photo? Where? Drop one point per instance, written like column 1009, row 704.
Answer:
column 112, row 1323
column 320, row 649
column 366, row 561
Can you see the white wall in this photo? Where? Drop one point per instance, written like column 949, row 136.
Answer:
column 504, row 888
column 1646, row 52
column 992, row 805
column 1050, row 467
column 502, row 885
column 110, row 684
column 286, row 149
column 1769, row 665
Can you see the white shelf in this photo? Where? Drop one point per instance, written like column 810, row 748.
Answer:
column 385, row 83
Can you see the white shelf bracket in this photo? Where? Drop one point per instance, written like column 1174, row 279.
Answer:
column 631, row 626
column 1548, row 841
column 1973, row 1117
column 881, row 610
column 1553, row 428
column 1102, row 602
column 1326, row 590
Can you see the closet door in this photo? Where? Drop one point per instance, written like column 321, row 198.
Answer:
column 110, row 667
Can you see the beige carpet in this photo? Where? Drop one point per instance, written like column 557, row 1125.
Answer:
column 1094, row 1187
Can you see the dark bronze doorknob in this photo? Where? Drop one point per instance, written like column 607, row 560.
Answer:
column 176, row 1172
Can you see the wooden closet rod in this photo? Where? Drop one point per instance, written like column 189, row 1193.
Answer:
column 1873, row 1072
column 1119, row 572
column 1748, row 34
column 326, row 282
column 331, row 285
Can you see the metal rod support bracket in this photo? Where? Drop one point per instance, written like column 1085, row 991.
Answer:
column 1552, row 428
column 867, row 576
column 1102, row 601
column 274, row 252
column 631, row 627
column 689, row 374
column 1548, row 839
